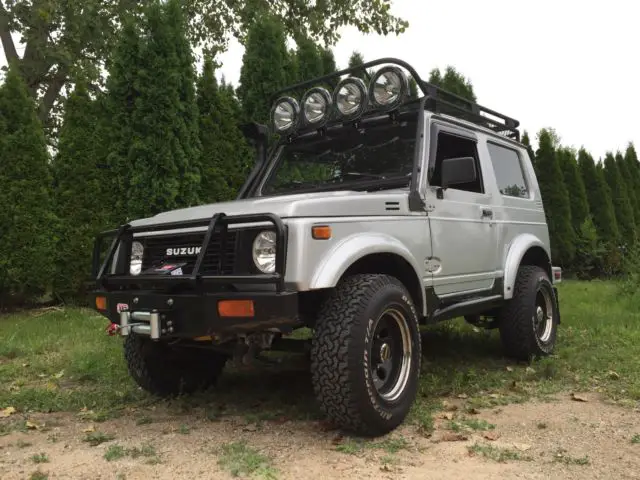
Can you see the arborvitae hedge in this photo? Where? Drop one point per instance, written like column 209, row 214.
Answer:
column 27, row 223
column 621, row 205
column 263, row 69
column 575, row 187
column 599, row 197
column 80, row 199
column 556, row 200
column 164, row 153
column 226, row 157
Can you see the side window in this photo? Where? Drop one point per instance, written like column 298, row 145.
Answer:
column 508, row 170
column 452, row 146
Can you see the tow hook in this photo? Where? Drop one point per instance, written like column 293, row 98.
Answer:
column 112, row 329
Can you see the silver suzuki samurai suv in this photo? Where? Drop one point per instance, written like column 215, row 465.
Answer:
column 371, row 210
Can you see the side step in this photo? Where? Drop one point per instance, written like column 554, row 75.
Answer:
column 466, row 307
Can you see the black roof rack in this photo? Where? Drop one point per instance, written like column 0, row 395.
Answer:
column 437, row 99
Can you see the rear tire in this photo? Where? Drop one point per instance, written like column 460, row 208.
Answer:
column 365, row 356
column 529, row 321
column 165, row 371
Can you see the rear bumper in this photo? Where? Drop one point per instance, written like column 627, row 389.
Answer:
column 161, row 315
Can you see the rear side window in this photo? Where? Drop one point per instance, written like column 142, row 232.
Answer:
column 508, row 170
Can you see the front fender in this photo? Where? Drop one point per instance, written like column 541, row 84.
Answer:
column 517, row 250
column 354, row 247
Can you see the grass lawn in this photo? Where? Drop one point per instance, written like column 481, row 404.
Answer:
column 63, row 360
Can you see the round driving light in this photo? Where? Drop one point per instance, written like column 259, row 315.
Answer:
column 135, row 263
column 285, row 114
column 350, row 97
column 315, row 105
column 389, row 86
column 264, row 251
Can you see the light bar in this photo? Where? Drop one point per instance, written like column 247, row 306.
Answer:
column 285, row 115
column 388, row 88
column 316, row 106
column 350, row 97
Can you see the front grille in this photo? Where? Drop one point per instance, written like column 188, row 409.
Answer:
column 215, row 262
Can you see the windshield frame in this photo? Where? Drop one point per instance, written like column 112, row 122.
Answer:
column 412, row 113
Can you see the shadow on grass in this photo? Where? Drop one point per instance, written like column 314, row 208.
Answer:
column 456, row 360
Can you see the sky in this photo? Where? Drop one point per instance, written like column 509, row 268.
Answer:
column 567, row 64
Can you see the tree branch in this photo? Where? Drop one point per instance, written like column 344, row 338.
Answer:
column 50, row 96
column 5, row 36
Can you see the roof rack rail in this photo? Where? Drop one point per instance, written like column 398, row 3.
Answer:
column 437, row 99
column 440, row 100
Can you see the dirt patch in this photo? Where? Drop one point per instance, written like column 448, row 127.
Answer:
column 563, row 438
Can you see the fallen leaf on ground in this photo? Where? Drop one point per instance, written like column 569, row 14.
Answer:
column 89, row 429
column 523, row 447
column 60, row 374
column 578, row 398
column 473, row 411
column 509, row 369
column 492, row 436
column 4, row 413
column 463, row 395
column 448, row 416
column 30, row 425
column 337, row 440
column 613, row 375
column 494, row 395
column 529, row 370
column 449, row 406
column 453, row 437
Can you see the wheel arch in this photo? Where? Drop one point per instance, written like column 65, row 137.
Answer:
column 372, row 253
column 526, row 249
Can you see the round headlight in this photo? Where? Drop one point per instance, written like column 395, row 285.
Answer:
column 284, row 114
column 264, row 251
column 350, row 97
column 389, row 87
column 135, row 263
column 315, row 105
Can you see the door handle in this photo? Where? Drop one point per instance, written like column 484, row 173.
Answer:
column 487, row 212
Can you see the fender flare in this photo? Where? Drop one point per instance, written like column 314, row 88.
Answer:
column 517, row 251
column 354, row 247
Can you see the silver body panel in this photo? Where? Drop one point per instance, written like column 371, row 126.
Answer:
column 451, row 245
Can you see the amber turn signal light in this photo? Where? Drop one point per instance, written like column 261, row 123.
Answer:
column 236, row 308
column 101, row 303
column 321, row 232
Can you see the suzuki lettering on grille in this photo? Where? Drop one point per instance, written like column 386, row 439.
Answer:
column 183, row 251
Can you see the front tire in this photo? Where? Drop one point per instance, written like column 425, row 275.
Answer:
column 164, row 371
column 529, row 321
column 365, row 356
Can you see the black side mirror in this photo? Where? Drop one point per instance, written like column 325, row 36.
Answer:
column 458, row 170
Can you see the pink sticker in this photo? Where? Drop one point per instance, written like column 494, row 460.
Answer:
column 122, row 307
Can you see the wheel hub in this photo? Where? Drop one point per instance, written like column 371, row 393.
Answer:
column 391, row 354
column 543, row 318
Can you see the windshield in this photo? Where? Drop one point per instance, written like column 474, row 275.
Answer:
column 364, row 158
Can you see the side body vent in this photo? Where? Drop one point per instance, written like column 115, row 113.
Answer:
column 392, row 206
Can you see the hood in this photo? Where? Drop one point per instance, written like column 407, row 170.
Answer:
column 318, row 204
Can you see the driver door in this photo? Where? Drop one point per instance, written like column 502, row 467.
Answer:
column 463, row 230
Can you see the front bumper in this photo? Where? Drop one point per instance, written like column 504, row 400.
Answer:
column 161, row 315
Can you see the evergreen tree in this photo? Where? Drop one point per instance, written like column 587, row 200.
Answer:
column 27, row 222
column 629, row 186
column 124, row 88
column 159, row 152
column 599, row 198
column 621, row 205
column 80, row 202
column 526, row 141
column 454, row 82
column 309, row 60
column 225, row 154
column 556, row 200
column 633, row 167
column 355, row 60
column 263, row 70
column 575, row 187
column 328, row 61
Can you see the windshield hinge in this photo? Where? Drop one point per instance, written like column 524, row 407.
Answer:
column 429, row 207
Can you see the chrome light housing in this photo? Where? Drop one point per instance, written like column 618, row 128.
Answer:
column 285, row 115
column 350, row 97
column 389, row 87
column 264, row 251
column 316, row 106
column 135, row 262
